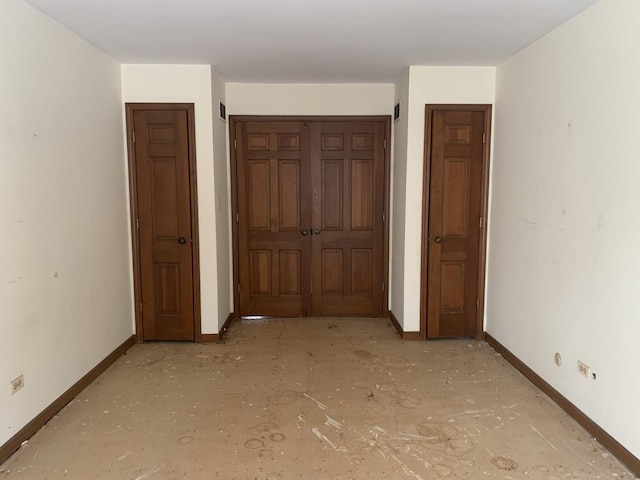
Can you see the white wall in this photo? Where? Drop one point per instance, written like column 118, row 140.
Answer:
column 398, row 197
column 223, row 200
column 64, row 248
column 564, row 270
column 188, row 84
column 429, row 85
column 309, row 99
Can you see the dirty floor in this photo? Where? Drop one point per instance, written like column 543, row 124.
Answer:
column 312, row 399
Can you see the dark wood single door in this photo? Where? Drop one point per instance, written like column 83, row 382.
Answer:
column 347, row 185
column 454, row 222
column 310, row 206
column 164, row 224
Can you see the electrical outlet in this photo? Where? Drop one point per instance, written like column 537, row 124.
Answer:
column 583, row 369
column 17, row 384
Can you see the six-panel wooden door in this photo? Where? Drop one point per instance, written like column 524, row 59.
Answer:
column 310, row 215
column 454, row 222
column 164, row 222
column 347, row 198
column 273, row 175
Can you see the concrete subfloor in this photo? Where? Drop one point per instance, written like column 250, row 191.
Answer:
column 315, row 399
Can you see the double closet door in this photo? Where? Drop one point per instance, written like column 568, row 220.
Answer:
column 310, row 216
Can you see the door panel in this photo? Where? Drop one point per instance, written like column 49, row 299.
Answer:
column 362, row 193
column 347, row 162
column 164, row 217
column 289, row 197
column 258, row 178
column 332, row 194
column 272, row 177
column 310, row 217
column 455, row 197
column 454, row 222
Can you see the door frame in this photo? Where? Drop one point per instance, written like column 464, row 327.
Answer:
column 130, row 109
column 233, row 119
column 484, row 210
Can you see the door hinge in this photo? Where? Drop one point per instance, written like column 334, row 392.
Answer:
column 384, row 217
column 133, row 136
column 484, row 137
column 137, row 223
column 383, row 286
column 235, row 144
column 385, row 143
column 238, row 288
column 480, row 223
column 237, row 217
column 477, row 301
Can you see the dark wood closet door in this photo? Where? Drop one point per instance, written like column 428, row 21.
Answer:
column 164, row 221
column 347, row 198
column 273, row 218
column 454, row 222
column 310, row 199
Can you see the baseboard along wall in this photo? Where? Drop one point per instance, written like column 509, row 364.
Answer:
column 404, row 335
column 14, row 443
column 616, row 448
column 217, row 337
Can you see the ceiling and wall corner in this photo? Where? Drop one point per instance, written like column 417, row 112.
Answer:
column 65, row 271
column 188, row 84
column 563, row 266
column 298, row 41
